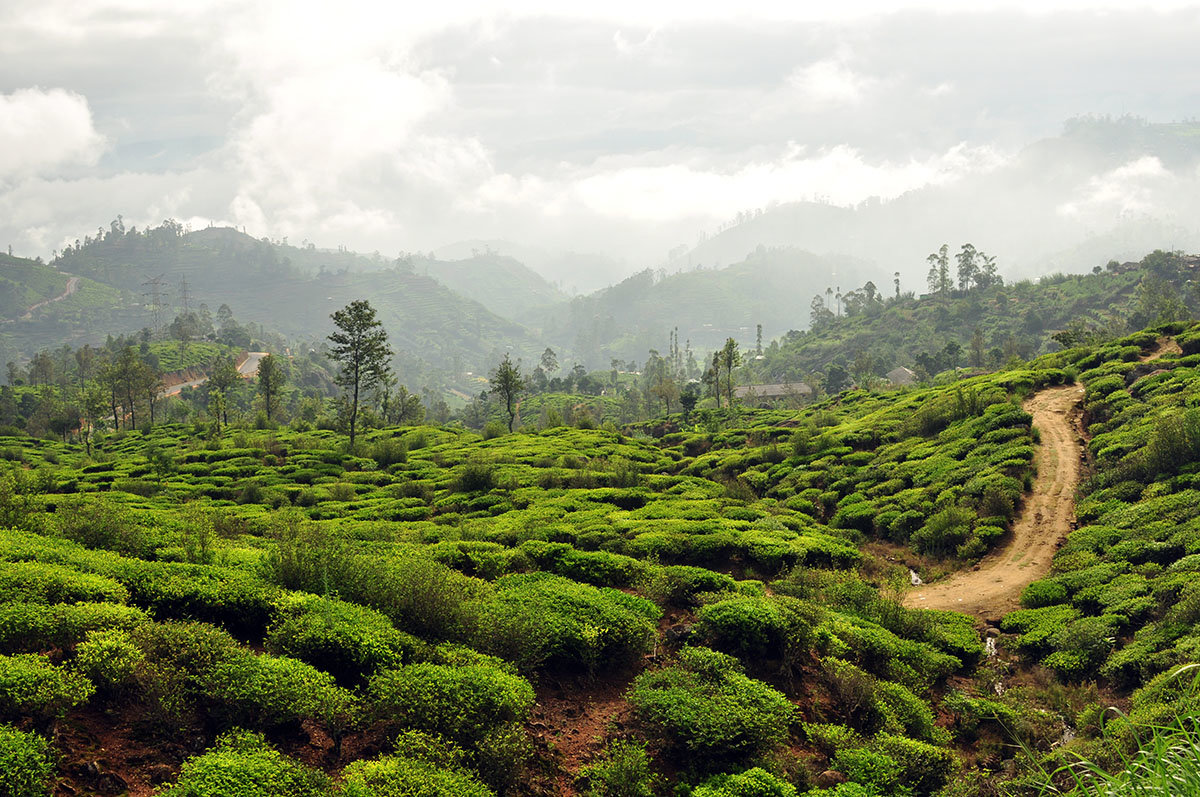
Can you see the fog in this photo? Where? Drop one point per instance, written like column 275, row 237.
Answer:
column 592, row 144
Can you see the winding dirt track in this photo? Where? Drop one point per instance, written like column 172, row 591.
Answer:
column 993, row 587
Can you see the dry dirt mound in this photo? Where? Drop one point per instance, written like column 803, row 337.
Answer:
column 993, row 587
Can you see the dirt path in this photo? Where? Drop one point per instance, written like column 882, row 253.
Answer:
column 72, row 286
column 993, row 587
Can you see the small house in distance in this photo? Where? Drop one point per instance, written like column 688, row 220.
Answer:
column 902, row 377
column 773, row 395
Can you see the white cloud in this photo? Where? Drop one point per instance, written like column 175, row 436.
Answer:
column 44, row 130
column 1132, row 188
column 829, row 82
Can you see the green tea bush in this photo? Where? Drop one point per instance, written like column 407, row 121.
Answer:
column 110, row 660
column 39, row 582
column 1043, row 593
column 349, row 641
column 243, row 764
column 100, row 521
column 871, row 768
column 543, row 620
column 923, row 766
column 28, row 627
column 396, row 776
column 27, row 764
column 944, row 532
column 754, row 627
column 705, row 707
column 267, row 692
column 756, row 782
column 623, row 770
column 31, row 686
column 464, row 704
column 678, row 585
column 389, row 451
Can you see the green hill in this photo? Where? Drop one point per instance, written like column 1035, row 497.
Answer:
column 770, row 287
column 502, row 284
column 430, row 326
column 938, row 331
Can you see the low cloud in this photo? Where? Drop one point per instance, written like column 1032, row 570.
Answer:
column 43, row 131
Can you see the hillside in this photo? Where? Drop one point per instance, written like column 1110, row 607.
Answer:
column 502, row 284
column 538, row 613
column 937, row 331
column 769, row 287
column 430, row 326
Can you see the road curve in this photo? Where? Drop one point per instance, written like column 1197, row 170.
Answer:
column 993, row 587
column 246, row 369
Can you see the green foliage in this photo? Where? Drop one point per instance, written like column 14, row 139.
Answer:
column 27, row 764
column 31, row 685
column 242, row 763
column 708, row 710
column 348, row 641
column 542, row 620
column 623, row 770
column 395, row 776
column 110, row 660
column 267, row 692
column 463, row 703
column 756, row 782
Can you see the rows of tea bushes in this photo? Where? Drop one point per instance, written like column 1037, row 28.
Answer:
column 381, row 621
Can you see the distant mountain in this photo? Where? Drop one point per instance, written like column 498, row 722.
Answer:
column 430, row 325
column 772, row 287
column 502, row 284
column 572, row 272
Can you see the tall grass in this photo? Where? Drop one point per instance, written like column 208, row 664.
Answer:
column 1167, row 763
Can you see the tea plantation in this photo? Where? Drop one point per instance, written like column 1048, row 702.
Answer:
column 711, row 610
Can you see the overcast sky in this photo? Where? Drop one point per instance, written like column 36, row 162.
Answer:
column 404, row 126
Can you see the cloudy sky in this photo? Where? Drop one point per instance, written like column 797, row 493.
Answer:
column 404, row 126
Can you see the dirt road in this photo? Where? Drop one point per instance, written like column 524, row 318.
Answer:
column 72, row 286
column 993, row 587
column 246, row 368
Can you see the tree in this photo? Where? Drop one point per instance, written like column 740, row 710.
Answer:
column 730, row 358
column 939, row 270
column 361, row 350
column 977, row 344
column 270, row 381
column 967, row 269
column 549, row 361
column 836, row 379
column 508, row 384
column 223, row 377
column 819, row 313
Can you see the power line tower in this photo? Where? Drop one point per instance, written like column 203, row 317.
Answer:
column 185, row 294
column 157, row 297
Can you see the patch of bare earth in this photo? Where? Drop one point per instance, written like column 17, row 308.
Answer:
column 993, row 587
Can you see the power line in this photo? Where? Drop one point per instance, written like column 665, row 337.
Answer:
column 157, row 298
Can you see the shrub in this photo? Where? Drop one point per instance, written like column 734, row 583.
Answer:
column 464, row 704
column 475, row 476
column 395, row 776
column 623, row 770
column 538, row 619
column 348, row 641
column 706, row 707
column 28, row 628
column 268, row 692
column 389, row 451
column 679, row 585
column 944, row 532
column 31, row 685
column 869, row 767
column 758, row 626
column 110, row 660
column 27, row 764
column 242, row 763
column 924, row 767
column 100, row 522
column 1043, row 593
column 756, row 782
column 38, row 582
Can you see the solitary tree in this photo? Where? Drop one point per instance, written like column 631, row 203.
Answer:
column 361, row 351
column 270, row 380
column 549, row 361
column 730, row 358
column 508, row 384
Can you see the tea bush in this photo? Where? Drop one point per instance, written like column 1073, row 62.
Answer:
column 30, row 685
column 27, row 764
column 708, row 710
column 242, row 763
